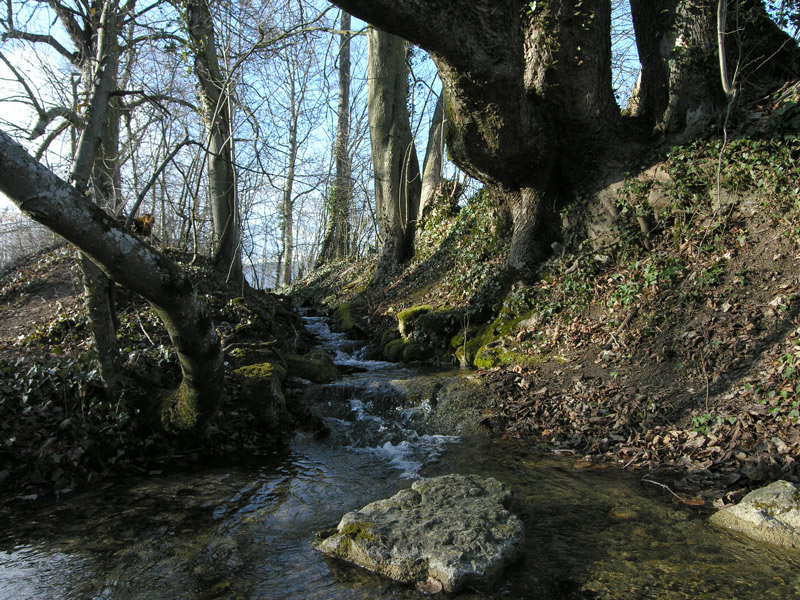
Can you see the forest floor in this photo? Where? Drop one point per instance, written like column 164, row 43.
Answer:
column 672, row 350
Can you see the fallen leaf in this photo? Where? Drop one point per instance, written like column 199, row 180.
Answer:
column 431, row 586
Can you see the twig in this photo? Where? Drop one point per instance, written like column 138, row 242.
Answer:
column 628, row 464
column 141, row 326
column 620, row 329
column 666, row 487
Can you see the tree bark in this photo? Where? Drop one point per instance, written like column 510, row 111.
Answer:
column 99, row 75
column 335, row 245
column 678, row 45
column 527, row 96
column 434, row 157
column 217, row 117
column 44, row 197
column 394, row 156
column 652, row 22
column 288, row 199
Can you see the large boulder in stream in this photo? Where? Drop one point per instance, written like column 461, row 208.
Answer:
column 453, row 530
column 770, row 514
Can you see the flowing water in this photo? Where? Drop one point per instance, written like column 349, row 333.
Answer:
column 245, row 530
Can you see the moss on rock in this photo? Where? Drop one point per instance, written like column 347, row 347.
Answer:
column 343, row 320
column 315, row 366
column 389, row 335
column 261, row 371
column 406, row 317
column 492, row 356
column 393, row 351
column 262, row 394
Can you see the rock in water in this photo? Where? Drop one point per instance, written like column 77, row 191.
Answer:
column 453, row 529
column 770, row 514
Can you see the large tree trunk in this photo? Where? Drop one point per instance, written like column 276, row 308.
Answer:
column 335, row 245
column 680, row 89
column 527, row 96
column 394, row 156
column 44, row 197
column 217, row 116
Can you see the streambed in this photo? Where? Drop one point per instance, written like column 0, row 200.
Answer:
column 244, row 530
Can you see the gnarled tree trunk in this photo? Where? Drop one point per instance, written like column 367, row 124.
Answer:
column 44, row 197
column 528, row 94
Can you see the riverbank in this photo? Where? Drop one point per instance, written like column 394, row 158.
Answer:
column 60, row 433
column 665, row 337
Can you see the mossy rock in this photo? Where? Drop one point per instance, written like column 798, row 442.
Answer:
column 263, row 370
column 393, row 351
column 263, row 395
column 473, row 332
column 477, row 338
column 315, row 366
column 403, row 350
column 407, row 317
column 414, row 352
column 389, row 335
column 343, row 320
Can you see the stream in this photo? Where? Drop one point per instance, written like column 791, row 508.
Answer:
column 244, row 530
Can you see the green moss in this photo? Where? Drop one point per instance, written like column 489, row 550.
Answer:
column 359, row 531
column 343, row 318
column 497, row 356
column 355, row 531
column 179, row 411
column 393, row 351
column 408, row 316
column 473, row 332
column 388, row 336
column 261, row 371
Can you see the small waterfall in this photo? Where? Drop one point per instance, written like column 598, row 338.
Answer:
column 368, row 411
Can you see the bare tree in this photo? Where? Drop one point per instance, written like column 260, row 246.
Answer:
column 44, row 197
column 335, row 245
column 217, row 115
column 394, row 156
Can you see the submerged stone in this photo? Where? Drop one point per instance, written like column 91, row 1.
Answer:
column 453, row 529
column 769, row 514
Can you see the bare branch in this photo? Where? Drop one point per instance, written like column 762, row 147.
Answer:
column 44, row 39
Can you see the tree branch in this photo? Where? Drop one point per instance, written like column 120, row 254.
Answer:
column 46, row 198
column 43, row 39
column 143, row 193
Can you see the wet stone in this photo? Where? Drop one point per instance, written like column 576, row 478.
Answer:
column 769, row 514
column 453, row 529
